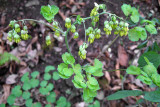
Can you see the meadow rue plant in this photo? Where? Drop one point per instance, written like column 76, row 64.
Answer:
column 84, row 77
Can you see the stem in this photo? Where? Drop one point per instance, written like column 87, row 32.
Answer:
column 116, row 70
column 66, row 40
column 124, row 80
column 41, row 23
column 112, row 42
column 84, row 29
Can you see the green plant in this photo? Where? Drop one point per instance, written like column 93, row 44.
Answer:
column 86, row 80
column 31, row 81
column 7, row 57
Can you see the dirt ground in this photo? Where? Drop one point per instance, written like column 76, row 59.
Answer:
column 111, row 82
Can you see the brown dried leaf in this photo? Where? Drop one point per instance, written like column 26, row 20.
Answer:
column 122, row 56
column 80, row 42
column 118, row 73
column 107, row 76
column 62, row 15
column 4, row 97
column 11, row 79
column 115, row 88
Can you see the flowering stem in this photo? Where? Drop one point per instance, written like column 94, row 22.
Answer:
column 113, row 41
column 41, row 23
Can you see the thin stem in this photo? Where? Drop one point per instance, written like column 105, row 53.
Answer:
column 66, row 40
column 41, row 23
column 112, row 42
column 84, row 30
column 124, row 80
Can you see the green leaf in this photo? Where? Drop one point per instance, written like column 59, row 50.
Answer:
column 153, row 96
column 77, row 68
column 43, row 91
column 34, row 82
column 151, row 29
column 26, row 86
column 142, row 45
column 68, row 72
column 34, row 74
column 88, row 95
column 153, row 57
column 49, row 68
column 56, row 76
column 145, row 79
column 135, row 15
column 47, row 76
column 2, row 105
column 43, row 83
column 78, row 81
column 16, row 91
column 11, row 99
column 61, row 102
column 26, row 95
column 137, row 33
column 155, row 47
column 25, row 77
column 68, row 58
column 51, row 98
column 79, row 19
column 96, row 104
column 133, row 70
column 48, row 105
column 28, row 102
column 126, row 9
column 37, row 104
column 48, row 12
column 92, row 84
column 124, row 93
column 50, row 87
column 156, row 79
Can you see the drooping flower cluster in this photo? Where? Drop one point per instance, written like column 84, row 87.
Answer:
column 82, row 51
column 16, row 34
column 120, row 28
column 93, row 33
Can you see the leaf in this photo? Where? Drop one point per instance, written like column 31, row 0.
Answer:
column 48, row 105
column 16, row 91
column 156, row 79
column 26, row 86
column 79, row 19
column 145, row 79
column 61, row 102
column 34, row 82
column 124, row 93
column 47, row 76
column 68, row 58
column 51, row 98
column 26, row 95
column 11, row 99
column 77, row 68
column 7, row 57
column 43, row 83
column 2, row 105
column 68, row 72
column 37, row 104
column 56, row 76
column 49, row 68
column 126, row 9
column 50, row 87
column 48, row 12
column 155, row 47
column 142, row 45
column 28, row 102
column 137, row 33
column 43, row 91
column 133, row 70
column 34, row 74
column 153, row 96
column 153, row 57
column 88, row 95
column 135, row 15
column 151, row 29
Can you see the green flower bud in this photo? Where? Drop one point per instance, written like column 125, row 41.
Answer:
column 25, row 28
column 68, row 20
column 76, row 35
column 57, row 33
column 121, row 24
column 73, row 29
column 126, row 24
column 12, row 23
column 48, row 40
column 17, row 38
column 113, row 18
column 106, row 22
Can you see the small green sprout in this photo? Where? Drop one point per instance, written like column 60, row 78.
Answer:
column 49, row 68
column 34, row 74
column 51, row 98
column 43, row 83
column 56, row 76
column 26, row 95
column 47, row 76
column 28, row 102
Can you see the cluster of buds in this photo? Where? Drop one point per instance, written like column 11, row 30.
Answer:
column 68, row 23
column 94, row 14
column 120, row 28
column 82, row 51
column 24, row 33
column 13, row 34
column 55, row 25
column 93, row 34
column 48, row 40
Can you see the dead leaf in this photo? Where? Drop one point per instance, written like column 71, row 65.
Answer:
column 4, row 97
column 107, row 76
column 122, row 56
column 115, row 88
column 118, row 73
column 159, row 2
column 62, row 15
column 80, row 42
column 11, row 79
column 3, row 18
column 23, row 70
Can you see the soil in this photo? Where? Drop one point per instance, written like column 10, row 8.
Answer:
column 11, row 9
